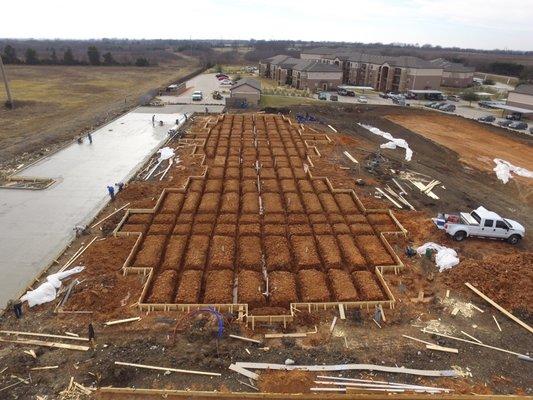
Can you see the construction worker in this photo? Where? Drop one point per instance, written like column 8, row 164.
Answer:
column 92, row 335
column 206, row 110
column 80, row 140
column 90, row 137
column 153, row 120
column 17, row 307
column 111, row 191
column 119, row 186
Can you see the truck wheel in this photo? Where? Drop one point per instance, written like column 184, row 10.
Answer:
column 514, row 239
column 460, row 235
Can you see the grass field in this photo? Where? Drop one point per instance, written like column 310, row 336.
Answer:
column 56, row 103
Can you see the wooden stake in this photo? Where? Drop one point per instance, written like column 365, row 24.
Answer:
column 419, row 340
column 442, row 348
column 44, row 335
column 282, row 335
column 471, row 337
column 110, row 215
column 184, row 371
column 333, row 324
column 48, row 344
column 121, row 321
column 245, row 339
column 243, row 371
column 44, row 368
column 497, row 324
column 341, row 312
column 500, row 308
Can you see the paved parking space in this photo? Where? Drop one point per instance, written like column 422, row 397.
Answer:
column 206, row 83
column 463, row 108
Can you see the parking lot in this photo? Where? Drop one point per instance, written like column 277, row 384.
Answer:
column 207, row 84
column 463, row 108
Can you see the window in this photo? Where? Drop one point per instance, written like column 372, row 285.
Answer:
column 475, row 216
column 488, row 223
column 501, row 224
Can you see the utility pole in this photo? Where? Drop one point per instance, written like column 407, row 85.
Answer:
column 9, row 102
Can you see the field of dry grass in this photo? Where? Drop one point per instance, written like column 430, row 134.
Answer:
column 56, row 103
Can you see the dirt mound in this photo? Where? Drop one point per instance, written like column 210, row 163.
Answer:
column 286, row 381
column 506, row 279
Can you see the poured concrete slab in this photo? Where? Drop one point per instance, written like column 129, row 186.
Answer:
column 35, row 225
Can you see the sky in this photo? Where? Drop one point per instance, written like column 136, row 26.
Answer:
column 481, row 24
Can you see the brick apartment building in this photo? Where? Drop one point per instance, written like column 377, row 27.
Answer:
column 455, row 74
column 300, row 73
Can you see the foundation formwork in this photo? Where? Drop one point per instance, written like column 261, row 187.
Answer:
column 262, row 213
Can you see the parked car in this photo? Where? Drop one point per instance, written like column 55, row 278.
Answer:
column 487, row 118
column 505, row 123
column 485, row 104
column 514, row 117
column 322, row 96
column 217, row 95
column 197, row 96
column 454, row 97
column 430, row 105
column 350, row 93
column 226, row 82
column 222, row 76
column 447, row 108
column 518, row 125
column 342, row 92
column 333, row 97
column 398, row 100
column 531, row 130
column 438, row 105
column 480, row 223
column 362, row 99
column 383, row 95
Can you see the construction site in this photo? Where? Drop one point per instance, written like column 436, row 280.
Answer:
column 286, row 253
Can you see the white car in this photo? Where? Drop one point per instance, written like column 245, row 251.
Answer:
column 197, row 96
column 362, row 99
column 480, row 223
column 226, row 82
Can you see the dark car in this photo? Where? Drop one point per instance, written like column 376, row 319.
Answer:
column 384, row 95
column 485, row 104
column 333, row 97
column 518, row 125
column 513, row 117
column 487, row 118
column 322, row 96
column 342, row 92
column 438, row 105
column 430, row 105
column 505, row 123
column 447, row 108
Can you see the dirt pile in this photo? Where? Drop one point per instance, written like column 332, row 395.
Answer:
column 286, row 381
column 507, row 279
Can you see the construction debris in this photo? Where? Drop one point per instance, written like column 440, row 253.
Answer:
column 121, row 321
column 245, row 339
column 183, row 371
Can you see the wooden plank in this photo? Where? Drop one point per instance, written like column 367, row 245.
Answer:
column 243, row 371
column 348, row 367
column 500, row 308
column 121, row 321
column 283, row 335
column 245, row 339
column 110, row 215
column 471, row 337
column 44, row 368
column 48, row 344
column 341, row 312
column 333, row 324
column 332, row 128
column 153, row 367
column 472, row 342
column 418, row 340
column 44, row 335
column 389, row 198
column 477, row 308
column 497, row 324
column 351, row 158
column 442, row 348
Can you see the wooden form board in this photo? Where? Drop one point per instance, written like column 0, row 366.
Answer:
column 48, row 344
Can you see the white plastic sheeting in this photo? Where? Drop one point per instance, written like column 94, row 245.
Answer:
column 392, row 141
column 47, row 291
column 445, row 258
column 504, row 170
column 165, row 153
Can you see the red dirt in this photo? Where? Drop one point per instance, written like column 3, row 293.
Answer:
column 250, row 252
column 286, row 381
column 329, row 251
column 351, row 254
column 278, row 256
column 282, row 286
column 366, row 285
column 196, row 252
column 163, row 287
column 342, row 285
column 189, row 288
column 373, row 250
column 221, row 252
column 305, row 252
column 150, row 253
column 313, row 286
column 219, row 287
column 346, row 203
column 174, row 252
column 250, row 288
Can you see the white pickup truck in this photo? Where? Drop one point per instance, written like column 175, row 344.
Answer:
column 480, row 223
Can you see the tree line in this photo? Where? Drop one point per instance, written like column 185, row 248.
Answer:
column 9, row 56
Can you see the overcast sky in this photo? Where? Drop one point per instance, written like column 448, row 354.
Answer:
column 484, row 24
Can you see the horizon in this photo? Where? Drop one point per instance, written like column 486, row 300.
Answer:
column 482, row 25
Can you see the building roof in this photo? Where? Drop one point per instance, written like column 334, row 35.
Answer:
column 315, row 66
column 524, row 89
column 247, row 81
column 449, row 66
column 519, row 110
column 357, row 56
column 276, row 59
column 424, row 91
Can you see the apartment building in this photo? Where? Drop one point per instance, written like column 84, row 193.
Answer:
column 455, row 74
column 302, row 74
column 521, row 97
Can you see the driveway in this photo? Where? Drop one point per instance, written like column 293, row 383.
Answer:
column 36, row 225
column 206, row 83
